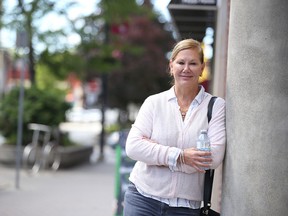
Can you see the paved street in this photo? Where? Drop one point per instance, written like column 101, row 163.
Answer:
column 84, row 190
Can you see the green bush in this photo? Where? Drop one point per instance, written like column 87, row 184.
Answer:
column 39, row 106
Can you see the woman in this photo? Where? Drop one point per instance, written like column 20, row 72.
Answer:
column 168, row 177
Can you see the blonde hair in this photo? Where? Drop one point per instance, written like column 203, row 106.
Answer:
column 187, row 44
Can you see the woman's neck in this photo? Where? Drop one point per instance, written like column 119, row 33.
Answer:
column 186, row 95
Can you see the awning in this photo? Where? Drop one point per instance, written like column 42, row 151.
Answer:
column 192, row 17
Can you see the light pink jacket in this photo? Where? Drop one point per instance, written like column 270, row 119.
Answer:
column 157, row 129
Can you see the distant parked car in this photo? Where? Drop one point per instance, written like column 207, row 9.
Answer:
column 91, row 115
column 83, row 115
column 2, row 139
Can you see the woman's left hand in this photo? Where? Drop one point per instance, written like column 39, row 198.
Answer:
column 197, row 159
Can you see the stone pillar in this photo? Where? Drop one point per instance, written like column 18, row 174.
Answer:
column 255, row 179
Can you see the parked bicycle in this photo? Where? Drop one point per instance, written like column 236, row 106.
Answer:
column 42, row 152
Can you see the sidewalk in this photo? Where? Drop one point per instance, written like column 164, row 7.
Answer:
column 84, row 190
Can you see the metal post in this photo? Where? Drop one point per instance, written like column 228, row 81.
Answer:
column 19, row 128
column 103, row 110
column 104, row 99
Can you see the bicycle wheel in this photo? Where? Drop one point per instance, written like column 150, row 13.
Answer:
column 51, row 157
column 32, row 158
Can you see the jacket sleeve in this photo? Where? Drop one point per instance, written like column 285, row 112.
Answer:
column 139, row 145
column 217, row 132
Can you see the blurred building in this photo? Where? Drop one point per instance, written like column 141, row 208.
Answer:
column 10, row 72
column 2, row 72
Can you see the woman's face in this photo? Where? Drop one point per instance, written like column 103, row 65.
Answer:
column 186, row 67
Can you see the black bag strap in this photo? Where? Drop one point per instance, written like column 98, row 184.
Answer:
column 210, row 108
column 209, row 175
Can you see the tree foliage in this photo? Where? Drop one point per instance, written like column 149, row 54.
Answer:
column 121, row 39
column 40, row 106
column 145, row 73
column 132, row 51
column 61, row 63
column 25, row 18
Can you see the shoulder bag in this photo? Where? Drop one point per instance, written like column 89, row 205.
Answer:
column 209, row 175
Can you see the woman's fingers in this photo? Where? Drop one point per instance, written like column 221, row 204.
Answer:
column 198, row 159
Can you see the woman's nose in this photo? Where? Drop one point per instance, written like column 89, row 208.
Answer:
column 186, row 67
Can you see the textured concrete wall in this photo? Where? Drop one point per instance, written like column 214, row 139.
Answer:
column 256, row 164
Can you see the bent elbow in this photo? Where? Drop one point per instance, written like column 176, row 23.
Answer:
column 129, row 149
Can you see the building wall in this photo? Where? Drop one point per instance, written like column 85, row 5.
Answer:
column 221, row 47
column 219, row 83
column 256, row 163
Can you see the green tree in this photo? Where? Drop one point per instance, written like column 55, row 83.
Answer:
column 41, row 106
column 25, row 18
column 97, row 45
column 145, row 73
column 58, row 65
column 127, row 44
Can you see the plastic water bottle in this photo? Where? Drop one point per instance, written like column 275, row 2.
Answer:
column 203, row 142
